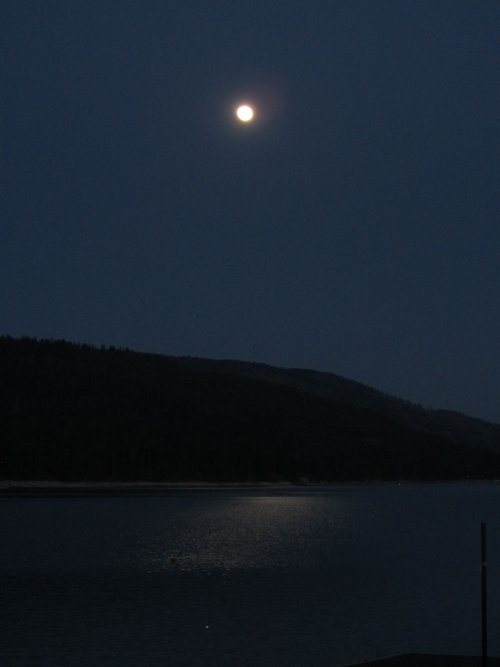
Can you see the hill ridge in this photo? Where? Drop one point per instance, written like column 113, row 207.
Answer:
column 74, row 412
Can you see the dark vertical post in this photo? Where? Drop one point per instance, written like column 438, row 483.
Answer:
column 484, row 598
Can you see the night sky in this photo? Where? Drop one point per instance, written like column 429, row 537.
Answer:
column 353, row 227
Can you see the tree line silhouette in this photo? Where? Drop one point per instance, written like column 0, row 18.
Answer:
column 73, row 412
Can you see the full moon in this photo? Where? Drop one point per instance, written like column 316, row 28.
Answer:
column 245, row 113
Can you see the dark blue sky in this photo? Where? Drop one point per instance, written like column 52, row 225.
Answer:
column 353, row 228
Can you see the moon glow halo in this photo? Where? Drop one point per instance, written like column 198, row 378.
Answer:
column 245, row 113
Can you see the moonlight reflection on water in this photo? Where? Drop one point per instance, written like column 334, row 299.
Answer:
column 246, row 533
column 323, row 576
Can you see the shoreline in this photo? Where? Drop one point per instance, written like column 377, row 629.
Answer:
column 52, row 484
column 49, row 485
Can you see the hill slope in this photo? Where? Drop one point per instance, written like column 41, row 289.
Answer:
column 458, row 427
column 74, row 412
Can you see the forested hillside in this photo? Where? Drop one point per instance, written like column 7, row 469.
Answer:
column 73, row 412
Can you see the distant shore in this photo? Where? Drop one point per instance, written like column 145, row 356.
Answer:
column 51, row 485
column 56, row 484
column 40, row 487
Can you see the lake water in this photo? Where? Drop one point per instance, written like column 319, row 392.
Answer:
column 223, row 577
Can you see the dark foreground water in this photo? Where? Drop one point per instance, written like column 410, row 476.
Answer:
column 311, row 576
